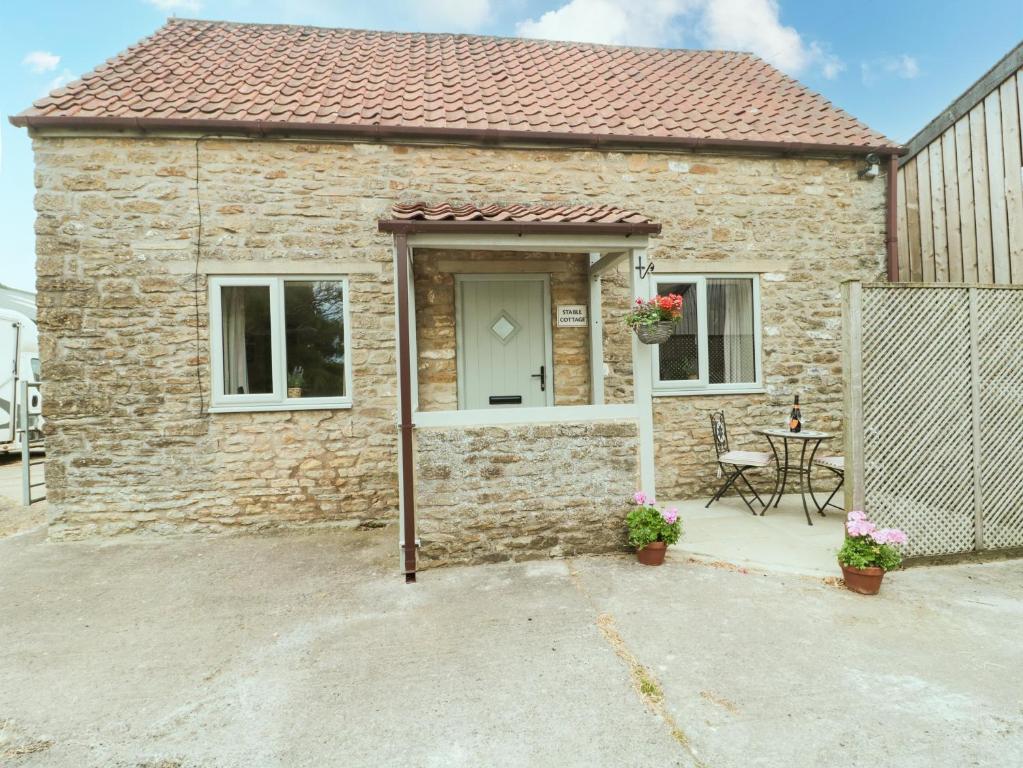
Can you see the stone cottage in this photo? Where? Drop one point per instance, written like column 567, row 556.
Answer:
column 292, row 276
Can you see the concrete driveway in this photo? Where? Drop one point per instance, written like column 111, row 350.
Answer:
column 14, row 517
column 308, row 650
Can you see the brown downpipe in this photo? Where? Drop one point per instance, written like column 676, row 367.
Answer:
column 408, row 497
column 891, row 229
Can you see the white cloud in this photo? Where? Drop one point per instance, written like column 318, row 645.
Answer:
column 65, row 77
column 747, row 25
column 41, row 61
column 461, row 14
column 641, row 22
column 171, row 6
column 903, row 66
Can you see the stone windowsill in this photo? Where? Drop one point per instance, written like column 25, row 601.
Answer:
column 293, row 406
column 708, row 392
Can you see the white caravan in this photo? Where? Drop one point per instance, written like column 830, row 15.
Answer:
column 19, row 360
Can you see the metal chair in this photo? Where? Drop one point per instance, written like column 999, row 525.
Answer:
column 835, row 464
column 735, row 463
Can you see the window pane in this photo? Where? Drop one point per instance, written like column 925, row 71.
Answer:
column 679, row 356
column 245, row 314
column 314, row 338
column 730, row 335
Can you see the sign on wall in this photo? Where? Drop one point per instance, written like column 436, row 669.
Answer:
column 572, row 315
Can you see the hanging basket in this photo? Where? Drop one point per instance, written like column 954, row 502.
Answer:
column 658, row 333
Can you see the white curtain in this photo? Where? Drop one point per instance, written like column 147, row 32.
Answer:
column 687, row 324
column 730, row 314
column 236, row 370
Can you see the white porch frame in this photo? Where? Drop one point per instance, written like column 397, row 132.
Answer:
column 605, row 251
column 606, row 245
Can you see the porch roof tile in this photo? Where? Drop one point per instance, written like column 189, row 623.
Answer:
column 550, row 214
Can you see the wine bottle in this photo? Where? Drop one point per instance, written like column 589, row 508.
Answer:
column 795, row 420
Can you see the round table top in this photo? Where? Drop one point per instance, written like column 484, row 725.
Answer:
column 806, row 434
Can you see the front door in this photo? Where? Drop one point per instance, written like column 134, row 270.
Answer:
column 503, row 342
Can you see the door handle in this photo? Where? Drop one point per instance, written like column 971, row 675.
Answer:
column 543, row 378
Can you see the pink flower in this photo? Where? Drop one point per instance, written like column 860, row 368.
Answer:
column 895, row 536
column 880, row 536
column 860, row 527
column 857, row 515
column 670, row 516
column 639, row 497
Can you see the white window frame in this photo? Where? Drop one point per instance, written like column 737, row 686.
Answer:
column 277, row 400
column 701, row 385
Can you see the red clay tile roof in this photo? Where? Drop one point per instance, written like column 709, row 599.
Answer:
column 562, row 214
column 222, row 76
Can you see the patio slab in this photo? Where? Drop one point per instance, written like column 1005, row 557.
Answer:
column 779, row 541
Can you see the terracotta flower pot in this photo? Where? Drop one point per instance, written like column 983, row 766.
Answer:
column 658, row 333
column 653, row 553
column 866, row 581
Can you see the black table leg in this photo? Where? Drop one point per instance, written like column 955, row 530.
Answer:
column 777, row 475
column 809, row 481
column 785, row 473
column 802, row 482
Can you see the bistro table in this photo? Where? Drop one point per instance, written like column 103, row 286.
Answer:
column 809, row 441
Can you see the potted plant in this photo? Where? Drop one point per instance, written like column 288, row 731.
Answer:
column 295, row 381
column 650, row 530
column 867, row 553
column 653, row 320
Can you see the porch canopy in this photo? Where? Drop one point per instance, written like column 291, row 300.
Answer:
column 608, row 234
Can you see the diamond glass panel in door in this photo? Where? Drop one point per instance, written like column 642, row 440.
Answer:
column 731, row 338
column 314, row 331
column 679, row 356
column 245, row 314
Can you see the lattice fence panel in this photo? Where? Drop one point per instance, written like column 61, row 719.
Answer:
column 917, row 415
column 1000, row 344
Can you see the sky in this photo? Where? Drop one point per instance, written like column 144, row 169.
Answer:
column 894, row 64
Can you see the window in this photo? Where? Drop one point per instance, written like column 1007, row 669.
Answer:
column 716, row 344
column 279, row 343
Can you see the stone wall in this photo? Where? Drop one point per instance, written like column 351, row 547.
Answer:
column 435, row 320
column 131, row 445
column 519, row 492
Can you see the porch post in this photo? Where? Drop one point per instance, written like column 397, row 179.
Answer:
column 406, row 490
column 596, row 337
column 642, row 384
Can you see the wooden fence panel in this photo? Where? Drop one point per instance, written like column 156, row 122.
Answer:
column 981, row 194
column 934, row 412
column 962, row 195
column 967, row 213
column 1013, row 156
column 996, row 186
column 916, row 390
column 950, row 184
column 1000, row 340
column 909, row 174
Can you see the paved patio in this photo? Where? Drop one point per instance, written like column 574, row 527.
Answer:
column 779, row 541
column 308, row 650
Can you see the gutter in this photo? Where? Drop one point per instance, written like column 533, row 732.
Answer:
column 476, row 226
column 481, row 136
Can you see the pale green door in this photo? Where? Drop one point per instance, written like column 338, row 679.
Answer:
column 502, row 346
